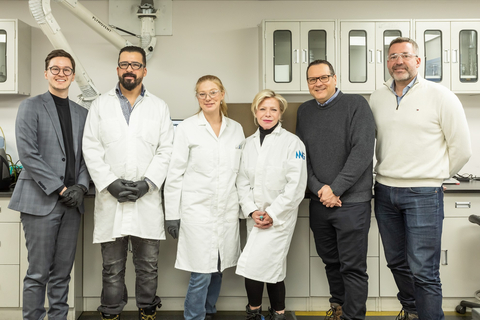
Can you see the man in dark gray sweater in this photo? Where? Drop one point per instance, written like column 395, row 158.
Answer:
column 338, row 131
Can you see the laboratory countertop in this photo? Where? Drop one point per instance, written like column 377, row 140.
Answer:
column 472, row 186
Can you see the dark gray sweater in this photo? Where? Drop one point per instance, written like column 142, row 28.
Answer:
column 339, row 139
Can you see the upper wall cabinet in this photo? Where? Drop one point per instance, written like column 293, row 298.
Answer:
column 364, row 51
column 288, row 48
column 449, row 53
column 15, row 62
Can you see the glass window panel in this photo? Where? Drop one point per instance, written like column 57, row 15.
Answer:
column 3, row 56
column 317, row 45
column 282, row 56
column 357, row 56
column 468, row 56
column 433, row 55
column 388, row 36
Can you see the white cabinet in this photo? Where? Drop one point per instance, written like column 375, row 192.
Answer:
column 15, row 48
column 364, row 51
column 9, row 255
column 288, row 48
column 449, row 53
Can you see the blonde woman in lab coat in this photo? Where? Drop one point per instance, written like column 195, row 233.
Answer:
column 271, row 184
column 200, row 192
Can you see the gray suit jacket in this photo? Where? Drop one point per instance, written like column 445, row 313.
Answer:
column 42, row 153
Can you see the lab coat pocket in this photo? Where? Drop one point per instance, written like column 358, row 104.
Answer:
column 109, row 131
column 232, row 207
column 202, row 159
column 149, row 132
column 275, row 178
column 196, row 207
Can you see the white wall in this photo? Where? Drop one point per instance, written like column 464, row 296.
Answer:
column 212, row 37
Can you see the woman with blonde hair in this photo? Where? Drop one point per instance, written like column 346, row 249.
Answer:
column 200, row 192
column 271, row 184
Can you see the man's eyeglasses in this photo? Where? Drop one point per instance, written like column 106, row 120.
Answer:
column 134, row 65
column 56, row 70
column 212, row 94
column 404, row 56
column 323, row 79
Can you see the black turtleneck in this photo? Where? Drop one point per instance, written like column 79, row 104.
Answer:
column 63, row 110
column 264, row 132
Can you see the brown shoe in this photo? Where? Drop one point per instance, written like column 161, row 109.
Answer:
column 335, row 312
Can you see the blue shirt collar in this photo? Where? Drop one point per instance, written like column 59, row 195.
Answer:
column 329, row 100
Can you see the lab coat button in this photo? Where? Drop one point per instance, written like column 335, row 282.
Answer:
column 61, row 177
column 63, row 159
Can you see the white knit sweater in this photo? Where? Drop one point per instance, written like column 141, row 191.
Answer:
column 423, row 140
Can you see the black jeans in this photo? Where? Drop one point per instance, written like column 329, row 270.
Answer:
column 341, row 239
column 145, row 257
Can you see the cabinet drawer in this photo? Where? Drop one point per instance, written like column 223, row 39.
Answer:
column 9, row 243
column 461, row 204
column 7, row 215
column 9, row 286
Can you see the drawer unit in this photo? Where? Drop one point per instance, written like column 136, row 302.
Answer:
column 9, row 243
column 7, row 215
column 461, row 204
column 9, row 288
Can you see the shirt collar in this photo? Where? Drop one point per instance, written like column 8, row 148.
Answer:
column 329, row 100
column 405, row 90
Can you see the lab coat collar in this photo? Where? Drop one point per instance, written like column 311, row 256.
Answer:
column 276, row 131
column 203, row 122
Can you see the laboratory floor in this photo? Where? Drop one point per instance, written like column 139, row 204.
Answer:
column 238, row 315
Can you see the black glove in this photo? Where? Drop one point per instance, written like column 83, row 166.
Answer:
column 73, row 196
column 123, row 190
column 142, row 187
column 173, row 227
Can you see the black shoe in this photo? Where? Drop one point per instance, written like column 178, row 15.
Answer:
column 335, row 312
column 209, row 316
column 273, row 315
column 405, row 315
column 108, row 316
column 147, row 313
column 254, row 314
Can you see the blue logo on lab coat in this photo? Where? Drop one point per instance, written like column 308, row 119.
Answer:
column 300, row 155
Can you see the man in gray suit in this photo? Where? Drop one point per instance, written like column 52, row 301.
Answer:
column 49, row 192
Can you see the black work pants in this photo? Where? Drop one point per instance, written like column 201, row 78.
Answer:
column 341, row 240
column 276, row 293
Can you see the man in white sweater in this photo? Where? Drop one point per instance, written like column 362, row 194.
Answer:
column 422, row 139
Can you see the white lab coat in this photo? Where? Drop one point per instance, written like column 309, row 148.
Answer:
column 141, row 149
column 272, row 178
column 200, row 190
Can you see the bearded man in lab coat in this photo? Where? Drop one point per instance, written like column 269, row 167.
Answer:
column 127, row 145
column 338, row 131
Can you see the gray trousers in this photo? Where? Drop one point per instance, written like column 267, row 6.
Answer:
column 145, row 259
column 51, row 242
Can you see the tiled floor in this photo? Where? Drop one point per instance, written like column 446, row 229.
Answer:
column 237, row 315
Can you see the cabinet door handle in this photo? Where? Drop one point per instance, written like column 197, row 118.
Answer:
column 455, row 56
column 463, row 205
column 444, row 258
column 446, row 56
column 297, row 56
column 379, row 56
column 304, row 51
column 371, row 55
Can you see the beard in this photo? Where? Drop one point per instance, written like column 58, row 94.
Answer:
column 407, row 75
column 129, row 84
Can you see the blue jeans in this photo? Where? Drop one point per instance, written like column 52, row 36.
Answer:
column 202, row 295
column 145, row 257
column 410, row 221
